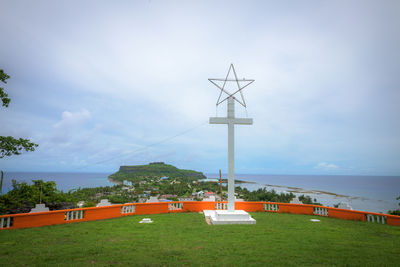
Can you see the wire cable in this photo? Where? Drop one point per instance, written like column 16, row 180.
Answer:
column 146, row 147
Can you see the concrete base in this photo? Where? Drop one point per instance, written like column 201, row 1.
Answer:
column 39, row 208
column 228, row 217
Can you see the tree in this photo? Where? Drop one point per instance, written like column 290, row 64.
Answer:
column 23, row 197
column 395, row 212
column 9, row 145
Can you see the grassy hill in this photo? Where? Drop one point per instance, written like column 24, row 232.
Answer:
column 185, row 239
column 155, row 170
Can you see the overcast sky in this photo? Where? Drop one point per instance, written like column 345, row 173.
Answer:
column 99, row 84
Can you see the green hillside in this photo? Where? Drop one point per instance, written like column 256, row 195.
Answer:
column 155, row 170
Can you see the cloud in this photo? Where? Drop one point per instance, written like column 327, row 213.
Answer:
column 325, row 88
column 71, row 124
column 72, row 119
column 326, row 166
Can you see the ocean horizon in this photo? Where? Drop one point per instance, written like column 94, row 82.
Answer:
column 366, row 193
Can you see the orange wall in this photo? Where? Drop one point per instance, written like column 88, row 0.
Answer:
column 152, row 208
column 393, row 220
column 249, row 206
column 39, row 219
column 25, row 220
column 346, row 214
column 296, row 208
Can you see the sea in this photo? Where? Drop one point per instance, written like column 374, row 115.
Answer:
column 365, row 193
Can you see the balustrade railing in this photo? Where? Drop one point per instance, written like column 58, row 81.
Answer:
column 6, row 222
column 175, row 206
column 376, row 218
column 221, row 206
column 128, row 209
column 271, row 207
column 25, row 220
column 320, row 211
column 74, row 215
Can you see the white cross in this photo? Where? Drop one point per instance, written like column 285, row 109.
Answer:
column 231, row 121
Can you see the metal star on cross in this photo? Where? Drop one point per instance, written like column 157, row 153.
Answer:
column 240, row 88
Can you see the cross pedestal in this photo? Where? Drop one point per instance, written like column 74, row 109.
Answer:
column 231, row 215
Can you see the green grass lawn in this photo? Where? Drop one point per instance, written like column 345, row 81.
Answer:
column 185, row 239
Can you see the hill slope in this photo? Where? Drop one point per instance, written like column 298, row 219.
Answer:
column 184, row 239
column 155, row 170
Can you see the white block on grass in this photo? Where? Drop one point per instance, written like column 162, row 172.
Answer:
column 229, row 217
column 146, row 220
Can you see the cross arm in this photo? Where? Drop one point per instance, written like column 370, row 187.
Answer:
column 219, row 120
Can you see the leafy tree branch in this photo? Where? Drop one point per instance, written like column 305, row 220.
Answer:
column 12, row 146
column 3, row 95
column 9, row 145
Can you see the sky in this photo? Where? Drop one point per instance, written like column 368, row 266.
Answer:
column 99, row 84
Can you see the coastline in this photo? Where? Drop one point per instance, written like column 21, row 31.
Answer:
column 111, row 180
column 365, row 193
